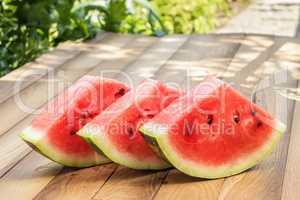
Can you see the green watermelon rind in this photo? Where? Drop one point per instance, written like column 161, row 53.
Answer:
column 86, row 136
column 154, row 146
column 44, row 147
column 103, row 144
column 197, row 170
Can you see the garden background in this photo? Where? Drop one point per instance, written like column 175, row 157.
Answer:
column 31, row 27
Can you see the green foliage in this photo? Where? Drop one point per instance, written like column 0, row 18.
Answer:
column 29, row 27
column 180, row 16
column 197, row 16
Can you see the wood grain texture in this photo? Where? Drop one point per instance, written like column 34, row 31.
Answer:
column 180, row 186
column 28, row 177
column 267, row 65
column 150, row 63
column 12, row 148
column 291, row 183
column 131, row 184
column 33, row 71
column 201, row 55
column 248, row 57
column 73, row 184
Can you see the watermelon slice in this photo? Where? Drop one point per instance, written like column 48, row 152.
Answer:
column 52, row 132
column 115, row 131
column 213, row 131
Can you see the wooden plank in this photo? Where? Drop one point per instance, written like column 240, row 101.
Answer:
column 264, row 55
column 131, row 184
column 241, row 77
column 30, row 175
column 249, row 54
column 204, row 55
column 33, row 71
column 130, row 53
column 264, row 181
column 291, row 182
column 172, row 72
column 31, row 98
column 77, row 184
column 150, row 61
column 180, row 186
column 12, row 148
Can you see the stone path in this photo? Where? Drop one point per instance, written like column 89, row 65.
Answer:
column 276, row 17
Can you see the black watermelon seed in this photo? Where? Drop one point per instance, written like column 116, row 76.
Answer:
column 120, row 93
column 130, row 131
column 150, row 116
column 236, row 117
column 73, row 132
column 253, row 112
column 259, row 124
column 209, row 119
column 85, row 114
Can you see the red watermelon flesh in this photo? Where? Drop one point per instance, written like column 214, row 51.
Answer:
column 115, row 131
column 214, row 131
column 52, row 132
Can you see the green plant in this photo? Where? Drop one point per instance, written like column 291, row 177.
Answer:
column 29, row 27
column 197, row 16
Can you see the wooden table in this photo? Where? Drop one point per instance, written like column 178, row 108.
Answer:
column 270, row 62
